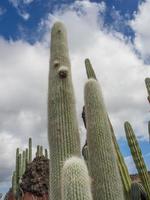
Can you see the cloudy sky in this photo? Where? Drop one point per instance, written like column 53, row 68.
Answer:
column 114, row 34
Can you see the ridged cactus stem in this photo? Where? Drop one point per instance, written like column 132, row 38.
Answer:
column 147, row 83
column 137, row 157
column 27, row 157
column 149, row 130
column 30, row 150
column 124, row 173
column 106, row 182
column 62, row 120
column 14, row 186
column 89, row 69
column 46, row 153
column 17, row 167
column 23, row 162
column 20, row 167
column 38, row 151
column 41, row 150
column 75, row 180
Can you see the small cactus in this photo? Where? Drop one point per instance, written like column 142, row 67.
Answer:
column 75, row 180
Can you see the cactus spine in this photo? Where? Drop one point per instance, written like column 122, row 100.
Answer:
column 102, row 162
column 137, row 157
column 30, row 150
column 62, row 122
column 75, row 180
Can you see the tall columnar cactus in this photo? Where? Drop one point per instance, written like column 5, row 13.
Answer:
column 138, row 158
column 14, row 186
column 147, row 83
column 46, row 153
column 38, row 151
column 20, row 167
column 27, row 157
column 23, row 166
column 62, row 121
column 89, row 69
column 17, row 167
column 41, row 150
column 30, row 149
column 124, row 173
column 106, row 182
column 126, row 180
column 75, row 180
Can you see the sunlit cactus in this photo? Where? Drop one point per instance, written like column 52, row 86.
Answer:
column 106, row 182
column 138, row 158
column 62, row 121
column 75, row 180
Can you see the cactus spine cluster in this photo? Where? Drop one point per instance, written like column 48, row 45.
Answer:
column 138, row 158
column 106, row 182
column 75, row 180
column 62, row 122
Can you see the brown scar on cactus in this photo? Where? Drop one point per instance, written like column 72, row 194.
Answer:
column 63, row 72
column 56, row 63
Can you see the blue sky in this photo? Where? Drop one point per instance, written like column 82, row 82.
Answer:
column 15, row 17
column 114, row 34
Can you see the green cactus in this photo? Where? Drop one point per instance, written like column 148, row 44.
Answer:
column 147, row 83
column 26, row 157
column 138, row 191
column 124, row 173
column 30, row 150
column 75, row 180
column 89, row 69
column 41, row 150
column 14, row 186
column 38, row 151
column 17, row 167
column 62, row 121
column 46, row 153
column 23, row 166
column 137, row 157
column 20, row 167
column 106, row 182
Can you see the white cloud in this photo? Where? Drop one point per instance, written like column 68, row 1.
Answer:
column 24, row 77
column 20, row 5
column 140, row 25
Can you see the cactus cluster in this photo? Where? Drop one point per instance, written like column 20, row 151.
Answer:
column 104, row 174
column 23, row 158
